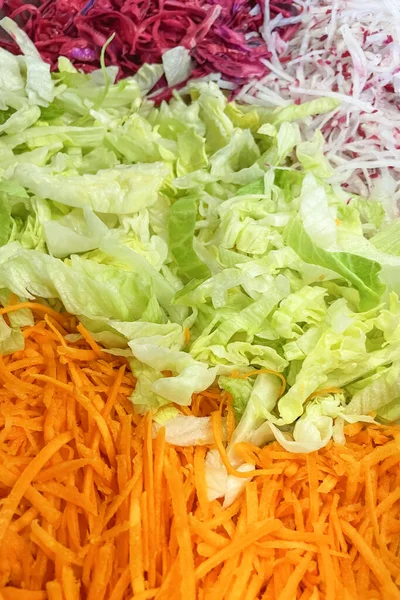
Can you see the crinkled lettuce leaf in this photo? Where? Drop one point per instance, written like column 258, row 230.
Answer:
column 388, row 239
column 126, row 189
column 382, row 391
column 362, row 272
column 83, row 286
column 240, row 390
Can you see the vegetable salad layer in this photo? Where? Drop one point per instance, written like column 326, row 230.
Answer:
column 203, row 241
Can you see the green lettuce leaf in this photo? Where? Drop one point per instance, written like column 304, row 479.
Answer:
column 181, row 227
column 76, row 232
column 21, row 119
column 5, row 222
column 212, row 104
column 313, row 429
column 11, row 81
column 177, row 65
column 390, row 412
column 147, row 77
column 17, row 318
column 144, row 398
column 305, row 306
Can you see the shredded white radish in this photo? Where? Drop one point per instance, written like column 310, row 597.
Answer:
column 349, row 50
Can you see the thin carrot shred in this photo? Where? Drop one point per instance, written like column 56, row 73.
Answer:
column 94, row 507
column 187, row 335
column 90, row 340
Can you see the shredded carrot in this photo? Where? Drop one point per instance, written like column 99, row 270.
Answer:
column 54, row 590
column 15, row 496
column 292, row 584
column 135, row 551
column 241, row 543
column 187, row 336
column 90, row 340
column 181, row 523
column 36, row 307
column 200, row 479
column 46, row 541
column 93, row 507
column 230, row 417
column 120, row 588
column 12, row 593
column 217, row 430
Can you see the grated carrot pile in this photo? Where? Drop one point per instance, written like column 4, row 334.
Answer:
column 93, row 507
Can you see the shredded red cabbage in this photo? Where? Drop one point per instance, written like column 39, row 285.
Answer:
column 222, row 35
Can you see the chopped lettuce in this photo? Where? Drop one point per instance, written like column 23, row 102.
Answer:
column 261, row 403
column 11, row 336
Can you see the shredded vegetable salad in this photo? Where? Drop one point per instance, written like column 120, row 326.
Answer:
column 347, row 50
column 203, row 241
column 199, row 317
